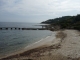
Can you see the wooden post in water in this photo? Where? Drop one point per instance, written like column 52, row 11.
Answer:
column 6, row 28
column 0, row 28
column 11, row 28
column 15, row 28
column 18, row 28
column 22, row 28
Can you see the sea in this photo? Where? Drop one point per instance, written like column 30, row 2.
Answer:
column 15, row 40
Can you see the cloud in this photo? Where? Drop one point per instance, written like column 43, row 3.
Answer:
column 39, row 7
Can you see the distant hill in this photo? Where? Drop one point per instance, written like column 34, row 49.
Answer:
column 65, row 22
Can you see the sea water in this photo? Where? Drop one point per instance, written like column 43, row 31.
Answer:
column 16, row 40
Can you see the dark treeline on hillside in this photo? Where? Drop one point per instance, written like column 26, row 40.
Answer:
column 65, row 22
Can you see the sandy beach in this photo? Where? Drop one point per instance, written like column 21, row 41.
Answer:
column 61, row 45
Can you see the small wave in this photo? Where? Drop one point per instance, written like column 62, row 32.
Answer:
column 38, row 41
column 52, row 36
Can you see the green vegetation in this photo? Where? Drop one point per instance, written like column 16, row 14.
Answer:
column 65, row 22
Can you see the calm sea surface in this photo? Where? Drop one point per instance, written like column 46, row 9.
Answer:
column 14, row 40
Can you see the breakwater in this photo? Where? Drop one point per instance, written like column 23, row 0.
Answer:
column 18, row 28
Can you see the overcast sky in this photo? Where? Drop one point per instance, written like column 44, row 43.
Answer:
column 36, row 10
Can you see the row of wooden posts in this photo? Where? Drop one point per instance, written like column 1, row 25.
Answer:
column 6, row 28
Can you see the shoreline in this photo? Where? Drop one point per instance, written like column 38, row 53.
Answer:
column 65, row 46
column 41, row 42
column 37, row 44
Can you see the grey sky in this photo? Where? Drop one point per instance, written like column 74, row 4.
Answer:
column 36, row 10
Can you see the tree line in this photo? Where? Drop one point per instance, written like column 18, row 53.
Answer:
column 65, row 22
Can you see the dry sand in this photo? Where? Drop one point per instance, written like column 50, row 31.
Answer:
column 64, row 46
